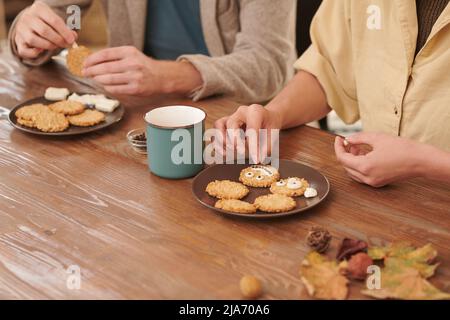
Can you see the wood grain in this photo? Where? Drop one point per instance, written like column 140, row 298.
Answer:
column 90, row 201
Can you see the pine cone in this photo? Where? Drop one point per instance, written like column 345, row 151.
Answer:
column 318, row 239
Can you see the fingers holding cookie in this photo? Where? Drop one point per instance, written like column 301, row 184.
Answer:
column 75, row 59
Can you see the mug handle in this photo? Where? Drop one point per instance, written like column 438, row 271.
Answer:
column 4, row 113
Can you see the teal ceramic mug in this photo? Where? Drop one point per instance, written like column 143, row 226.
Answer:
column 175, row 141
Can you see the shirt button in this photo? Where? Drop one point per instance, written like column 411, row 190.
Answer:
column 396, row 110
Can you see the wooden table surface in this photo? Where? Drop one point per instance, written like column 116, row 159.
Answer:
column 90, row 201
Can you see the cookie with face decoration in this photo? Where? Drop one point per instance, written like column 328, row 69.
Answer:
column 291, row 187
column 259, row 176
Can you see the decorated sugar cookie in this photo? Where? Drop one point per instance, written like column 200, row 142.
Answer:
column 291, row 187
column 259, row 176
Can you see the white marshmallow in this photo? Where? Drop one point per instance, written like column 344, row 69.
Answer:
column 56, row 94
column 106, row 105
column 310, row 193
column 100, row 102
column 76, row 97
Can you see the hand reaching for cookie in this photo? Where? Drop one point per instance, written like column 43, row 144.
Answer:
column 38, row 29
column 251, row 118
column 127, row 71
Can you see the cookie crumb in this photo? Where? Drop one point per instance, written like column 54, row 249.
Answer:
column 50, row 232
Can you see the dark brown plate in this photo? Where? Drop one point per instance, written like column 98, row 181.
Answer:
column 287, row 169
column 111, row 118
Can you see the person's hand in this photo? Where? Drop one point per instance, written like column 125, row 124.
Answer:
column 390, row 159
column 254, row 117
column 127, row 71
column 39, row 28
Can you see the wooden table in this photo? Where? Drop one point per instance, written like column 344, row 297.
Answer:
column 90, row 201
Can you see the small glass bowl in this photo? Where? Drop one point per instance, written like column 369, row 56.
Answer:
column 140, row 146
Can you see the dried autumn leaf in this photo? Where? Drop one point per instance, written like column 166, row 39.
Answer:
column 424, row 254
column 350, row 247
column 393, row 250
column 419, row 258
column 377, row 253
column 322, row 277
column 399, row 281
column 425, row 270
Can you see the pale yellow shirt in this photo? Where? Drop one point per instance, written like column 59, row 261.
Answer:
column 363, row 56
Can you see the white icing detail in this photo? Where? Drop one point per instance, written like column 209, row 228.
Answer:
column 259, row 177
column 294, row 185
column 310, row 193
column 249, row 174
column 281, row 183
column 265, row 170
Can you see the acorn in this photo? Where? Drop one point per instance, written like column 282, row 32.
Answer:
column 357, row 266
column 251, row 287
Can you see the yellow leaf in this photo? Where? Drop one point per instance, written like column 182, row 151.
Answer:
column 322, row 277
column 424, row 254
column 393, row 250
column 403, row 282
column 377, row 253
column 425, row 270
column 410, row 256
